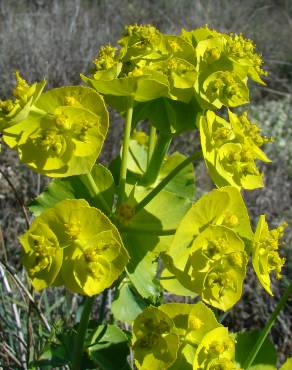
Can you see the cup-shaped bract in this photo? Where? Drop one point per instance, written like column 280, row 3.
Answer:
column 67, row 132
column 75, row 245
column 230, row 150
column 216, row 267
column 17, row 109
column 191, row 321
column 265, row 256
column 155, row 342
column 42, row 254
column 216, row 351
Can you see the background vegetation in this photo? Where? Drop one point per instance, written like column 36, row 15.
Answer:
column 57, row 39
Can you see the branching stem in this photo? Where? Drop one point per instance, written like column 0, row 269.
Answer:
column 151, row 146
column 79, row 343
column 166, row 180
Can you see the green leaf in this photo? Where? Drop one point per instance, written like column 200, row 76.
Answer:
column 144, row 231
column 137, row 161
column 74, row 187
column 127, row 305
column 108, row 348
column 57, row 351
column 267, row 356
column 168, row 116
column 183, row 184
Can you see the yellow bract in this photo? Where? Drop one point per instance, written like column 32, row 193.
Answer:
column 208, row 254
column 231, row 148
column 265, row 256
column 216, row 351
column 75, row 245
column 154, row 342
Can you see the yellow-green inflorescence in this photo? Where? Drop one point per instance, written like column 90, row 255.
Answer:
column 265, row 254
column 18, row 108
column 66, row 128
column 203, row 65
column 211, row 66
column 75, row 245
column 208, row 254
column 177, row 335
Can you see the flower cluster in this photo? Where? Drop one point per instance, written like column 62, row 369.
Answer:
column 209, row 252
column 66, row 127
column 177, row 335
column 202, row 65
column 75, row 245
column 231, row 148
column 213, row 67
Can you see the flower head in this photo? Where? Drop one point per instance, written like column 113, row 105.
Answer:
column 217, row 266
column 154, row 342
column 67, row 133
column 75, row 245
column 231, row 148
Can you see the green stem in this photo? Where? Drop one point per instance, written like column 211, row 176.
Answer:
column 102, row 307
column 34, row 109
column 79, row 342
column 91, row 184
column 125, row 152
column 151, row 146
column 134, row 230
column 157, row 159
column 166, row 180
column 267, row 328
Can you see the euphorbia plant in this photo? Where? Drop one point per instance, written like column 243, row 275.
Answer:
column 137, row 226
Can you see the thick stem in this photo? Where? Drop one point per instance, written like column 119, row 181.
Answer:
column 157, row 159
column 151, row 146
column 79, row 343
column 125, row 151
column 252, row 355
column 166, row 180
column 90, row 183
column 102, row 306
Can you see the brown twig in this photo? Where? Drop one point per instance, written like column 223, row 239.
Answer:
column 10, row 354
column 19, row 200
